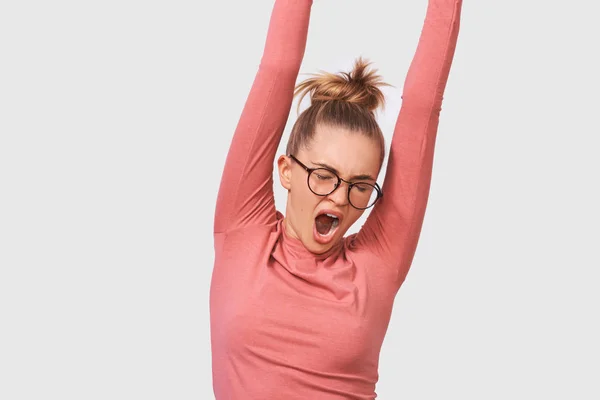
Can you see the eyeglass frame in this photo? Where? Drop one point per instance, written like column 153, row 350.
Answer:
column 337, row 185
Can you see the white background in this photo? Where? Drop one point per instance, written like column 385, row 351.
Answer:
column 115, row 119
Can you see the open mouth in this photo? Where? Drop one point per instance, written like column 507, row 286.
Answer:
column 326, row 223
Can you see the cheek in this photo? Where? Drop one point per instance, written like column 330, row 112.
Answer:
column 303, row 200
column 353, row 216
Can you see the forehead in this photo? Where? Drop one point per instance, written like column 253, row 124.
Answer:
column 351, row 153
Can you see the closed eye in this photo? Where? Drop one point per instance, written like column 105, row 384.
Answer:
column 323, row 177
column 362, row 187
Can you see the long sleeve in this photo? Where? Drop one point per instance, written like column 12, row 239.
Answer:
column 246, row 191
column 392, row 229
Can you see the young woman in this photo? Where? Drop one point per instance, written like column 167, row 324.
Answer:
column 298, row 311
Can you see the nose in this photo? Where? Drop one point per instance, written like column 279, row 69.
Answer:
column 340, row 195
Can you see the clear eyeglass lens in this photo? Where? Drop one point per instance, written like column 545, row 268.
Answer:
column 322, row 181
column 363, row 195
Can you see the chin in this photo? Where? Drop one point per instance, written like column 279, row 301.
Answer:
column 318, row 244
column 317, row 248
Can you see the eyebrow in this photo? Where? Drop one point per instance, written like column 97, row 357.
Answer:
column 355, row 177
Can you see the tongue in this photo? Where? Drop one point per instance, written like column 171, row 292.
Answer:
column 323, row 224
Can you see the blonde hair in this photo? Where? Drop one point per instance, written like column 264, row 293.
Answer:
column 345, row 100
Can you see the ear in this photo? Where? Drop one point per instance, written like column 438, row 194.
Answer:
column 284, row 165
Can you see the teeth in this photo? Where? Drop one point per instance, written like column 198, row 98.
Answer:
column 335, row 222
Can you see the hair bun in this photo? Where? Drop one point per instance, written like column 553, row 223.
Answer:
column 360, row 86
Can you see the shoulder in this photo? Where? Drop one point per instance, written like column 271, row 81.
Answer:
column 248, row 237
column 377, row 268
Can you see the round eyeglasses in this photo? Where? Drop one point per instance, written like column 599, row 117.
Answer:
column 323, row 182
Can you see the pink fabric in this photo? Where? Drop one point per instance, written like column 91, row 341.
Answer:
column 286, row 324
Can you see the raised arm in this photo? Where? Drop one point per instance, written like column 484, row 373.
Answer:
column 392, row 229
column 246, row 191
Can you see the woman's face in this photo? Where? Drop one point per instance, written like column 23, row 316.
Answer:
column 351, row 155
